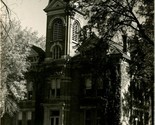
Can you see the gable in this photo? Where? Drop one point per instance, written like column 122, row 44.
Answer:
column 33, row 53
column 89, row 43
column 58, row 4
column 55, row 4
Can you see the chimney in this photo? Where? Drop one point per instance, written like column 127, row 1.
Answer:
column 124, row 43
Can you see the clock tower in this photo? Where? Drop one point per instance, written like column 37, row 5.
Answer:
column 62, row 32
column 62, row 36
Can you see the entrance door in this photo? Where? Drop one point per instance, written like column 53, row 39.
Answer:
column 54, row 117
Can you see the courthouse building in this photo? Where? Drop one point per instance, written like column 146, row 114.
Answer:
column 61, row 85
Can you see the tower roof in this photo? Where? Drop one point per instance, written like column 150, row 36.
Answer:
column 55, row 4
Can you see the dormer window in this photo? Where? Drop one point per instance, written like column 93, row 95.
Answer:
column 57, row 29
column 75, row 32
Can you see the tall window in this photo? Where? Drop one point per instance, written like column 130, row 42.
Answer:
column 56, row 52
column 54, row 117
column 29, row 118
column 55, row 88
column 88, row 86
column 75, row 33
column 98, row 118
column 99, row 87
column 20, row 117
column 88, row 117
column 92, row 117
column 57, row 29
column 30, row 91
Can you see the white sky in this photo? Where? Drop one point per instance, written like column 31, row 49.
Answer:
column 30, row 13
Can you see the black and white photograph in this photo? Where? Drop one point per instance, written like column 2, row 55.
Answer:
column 76, row 62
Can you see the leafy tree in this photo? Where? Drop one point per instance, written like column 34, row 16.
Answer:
column 15, row 47
column 133, row 18
column 112, row 16
column 14, row 52
column 142, row 75
column 34, row 39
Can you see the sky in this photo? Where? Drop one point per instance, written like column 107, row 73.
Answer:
column 30, row 13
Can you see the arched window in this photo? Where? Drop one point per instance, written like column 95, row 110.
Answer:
column 57, row 29
column 56, row 52
column 75, row 32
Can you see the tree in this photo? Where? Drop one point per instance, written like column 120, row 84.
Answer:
column 14, row 50
column 142, row 70
column 132, row 18
column 112, row 16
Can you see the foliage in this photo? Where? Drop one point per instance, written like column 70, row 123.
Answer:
column 14, row 49
column 33, row 38
column 105, row 68
column 14, row 52
column 134, row 18
column 112, row 17
column 141, row 86
column 142, row 63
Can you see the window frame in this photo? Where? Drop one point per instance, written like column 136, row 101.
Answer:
column 20, row 118
column 75, row 31
column 88, row 86
column 29, row 117
column 56, row 52
column 55, row 86
column 30, row 91
column 54, row 117
column 57, row 29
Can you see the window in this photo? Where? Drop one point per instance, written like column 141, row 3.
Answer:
column 88, row 83
column 30, row 89
column 99, row 87
column 57, row 29
column 88, row 117
column 54, row 117
column 20, row 117
column 29, row 118
column 55, row 88
column 98, row 118
column 92, row 117
column 56, row 52
column 88, row 86
column 75, row 32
